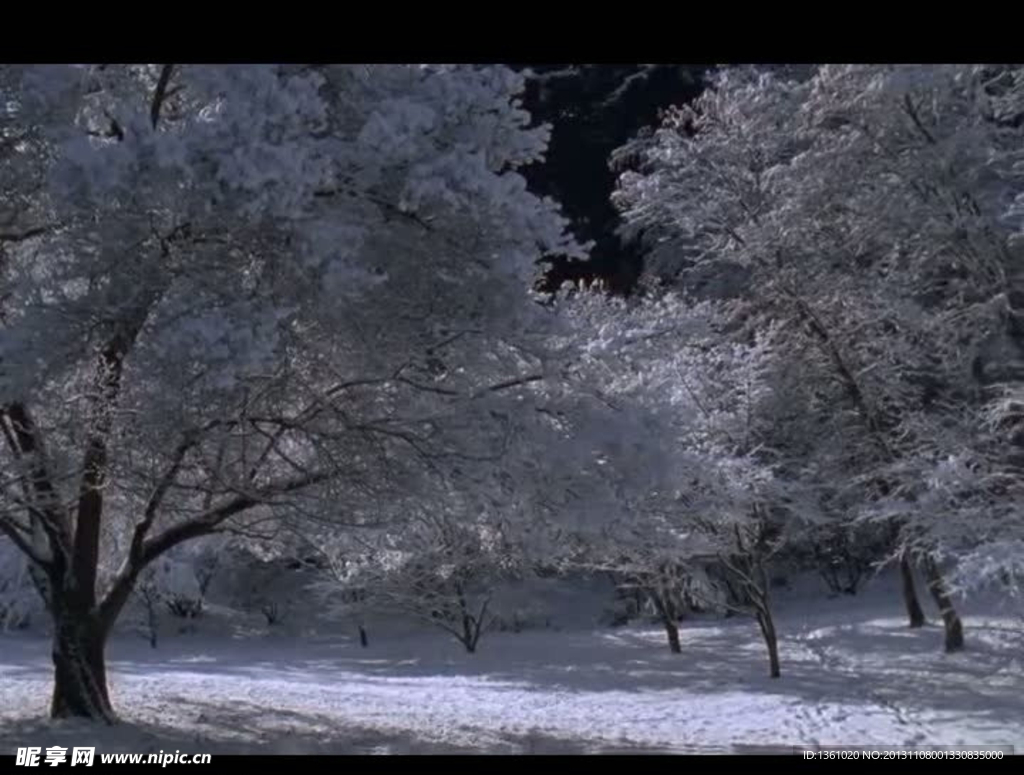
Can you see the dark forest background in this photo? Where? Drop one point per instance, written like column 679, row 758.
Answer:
column 594, row 109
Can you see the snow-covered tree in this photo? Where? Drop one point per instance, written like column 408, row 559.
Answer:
column 866, row 208
column 699, row 396
column 440, row 567
column 232, row 294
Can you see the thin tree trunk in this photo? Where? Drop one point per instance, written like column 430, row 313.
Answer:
column 467, row 634
column 468, row 638
column 152, row 623
column 672, row 630
column 80, row 673
column 914, row 611
column 950, row 619
column 666, row 613
column 767, row 625
column 763, row 609
column 364, row 641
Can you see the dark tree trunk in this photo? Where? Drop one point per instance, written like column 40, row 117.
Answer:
column 152, row 622
column 364, row 641
column 767, row 625
column 80, row 672
column 914, row 611
column 763, row 610
column 950, row 620
column 755, row 597
column 672, row 630
column 666, row 612
column 469, row 637
column 472, row 624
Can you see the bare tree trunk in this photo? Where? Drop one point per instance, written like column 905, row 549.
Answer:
column 950, row 619
column 754, row 592
column 914, row 611
column 666, row 612
column 468, row 638
column 150, row 598
column 152, row 624
column 761, row 599
column 767, row 625
column 472, row 623
column 672, row 630
column 364, row 641
column 80, row 673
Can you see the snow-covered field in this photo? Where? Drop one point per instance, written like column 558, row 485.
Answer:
column 853, row 674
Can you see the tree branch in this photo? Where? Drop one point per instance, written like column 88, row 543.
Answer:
column 21, row 236
column 204, row 524
column 160, row 94
column 163, row 485
column 12, row 531
column 911, row 109
column 25, row 434
column 514, row 382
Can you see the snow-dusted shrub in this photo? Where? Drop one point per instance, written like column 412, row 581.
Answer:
column 440, row 568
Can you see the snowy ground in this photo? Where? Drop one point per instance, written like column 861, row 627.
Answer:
column 853, row 674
